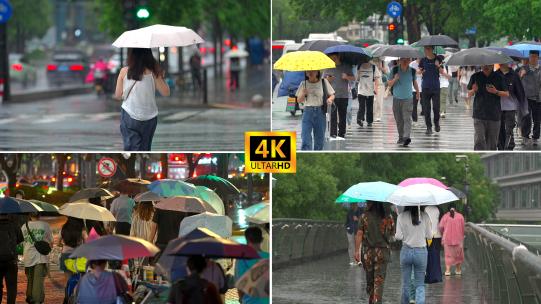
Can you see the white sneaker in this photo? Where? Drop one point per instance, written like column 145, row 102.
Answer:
column 442, row 115
column 333, row 138
column 378, row 119
column 352, row 264
column 340, row 138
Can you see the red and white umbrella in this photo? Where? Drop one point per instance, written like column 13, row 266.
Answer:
column 115, row 247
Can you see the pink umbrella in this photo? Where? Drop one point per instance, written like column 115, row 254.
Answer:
column 422, row 180
column 92, row 236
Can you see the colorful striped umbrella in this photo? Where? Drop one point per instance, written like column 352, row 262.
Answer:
column 212, row 198
column 171, row 187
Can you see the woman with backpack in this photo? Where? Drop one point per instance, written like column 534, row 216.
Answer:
column 413, row 228
column 402, row 77
column 194, row 289
column 372, row 248
column 136, row 87
column 316, row 94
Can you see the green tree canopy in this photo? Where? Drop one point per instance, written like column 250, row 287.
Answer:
column 28, row 21
column 321, row 178
column 493, row 19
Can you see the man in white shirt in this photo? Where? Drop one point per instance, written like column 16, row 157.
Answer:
column 367, row 76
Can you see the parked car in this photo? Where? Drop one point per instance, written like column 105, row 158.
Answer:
column 67, row 66
column 21, row 71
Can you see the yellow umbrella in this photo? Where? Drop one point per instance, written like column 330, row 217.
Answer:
column 304, row 61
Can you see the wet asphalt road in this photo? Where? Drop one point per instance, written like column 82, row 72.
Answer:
column 456, row 130
column 332, row 280
column 86, row 122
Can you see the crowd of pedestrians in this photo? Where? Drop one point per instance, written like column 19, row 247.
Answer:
column 107, row 281
column 372, row 231
column 504, row 98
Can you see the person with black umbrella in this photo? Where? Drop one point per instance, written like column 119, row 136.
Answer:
column 11, row 235
column 510, row 105
column 339, row 78
column 488, row 87
column 530, row 75
column 431, row 67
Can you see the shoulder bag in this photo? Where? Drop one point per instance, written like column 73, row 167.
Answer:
column 42, row 246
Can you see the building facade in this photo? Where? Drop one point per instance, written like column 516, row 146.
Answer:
column 374, row 27
column 518, row 176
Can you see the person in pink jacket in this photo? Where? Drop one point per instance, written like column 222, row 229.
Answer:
column 452, row 228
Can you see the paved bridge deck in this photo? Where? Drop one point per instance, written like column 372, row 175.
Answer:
column 332, row 280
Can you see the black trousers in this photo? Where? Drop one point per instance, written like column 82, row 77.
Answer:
column 366, row 109
column 428, row 96
column 534, row 117
column 339, row 111
column 506, row 140
column 8, row 271
column 414, row 112
column 122, row 228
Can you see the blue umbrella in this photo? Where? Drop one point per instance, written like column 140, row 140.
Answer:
column 350, row 54
column 507, row 51
column 9, row 205
column 525, row 48
column 174, row 267
column 369, row 191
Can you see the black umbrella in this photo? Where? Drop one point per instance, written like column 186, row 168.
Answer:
column 457, row 192
column 132, row 186
column 436, row 40
column 402, row 51
column 478, row 56
column 90, row 193
column 319, row 45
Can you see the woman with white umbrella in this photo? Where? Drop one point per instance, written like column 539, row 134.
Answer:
column 136, row 87
column 413, row 228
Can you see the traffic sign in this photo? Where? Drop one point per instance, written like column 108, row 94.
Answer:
column 394, row 9
column 106, row 167
column 471, row 31
column 5, row 11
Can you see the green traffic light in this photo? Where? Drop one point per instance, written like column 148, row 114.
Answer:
column 143, row 13
column 399, row 41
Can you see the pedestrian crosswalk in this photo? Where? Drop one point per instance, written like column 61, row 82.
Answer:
column 456, row 133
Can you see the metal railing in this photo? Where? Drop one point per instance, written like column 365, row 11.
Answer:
column 299, row 240
column 513, row 274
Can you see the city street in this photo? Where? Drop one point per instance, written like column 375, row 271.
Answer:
column 456, row 130
column 85, row 122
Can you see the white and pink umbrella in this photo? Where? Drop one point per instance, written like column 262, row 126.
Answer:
column 422, row 180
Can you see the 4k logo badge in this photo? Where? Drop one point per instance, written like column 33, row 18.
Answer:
column 270, row 152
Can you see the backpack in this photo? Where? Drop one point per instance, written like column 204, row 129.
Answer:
column 8, row 248
column 70, row 296
column 197, row 295
column 395, row 70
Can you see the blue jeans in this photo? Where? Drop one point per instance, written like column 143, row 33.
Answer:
column 413, row 259
column 137, row 135
column 313, row 120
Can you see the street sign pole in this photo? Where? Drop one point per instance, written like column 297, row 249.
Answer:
column 4, row 64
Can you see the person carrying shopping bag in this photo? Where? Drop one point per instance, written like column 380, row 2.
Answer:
column 136, row 87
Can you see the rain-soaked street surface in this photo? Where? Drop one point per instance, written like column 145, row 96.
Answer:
column 456, row 130
column 85, row 122
column 332, row 280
